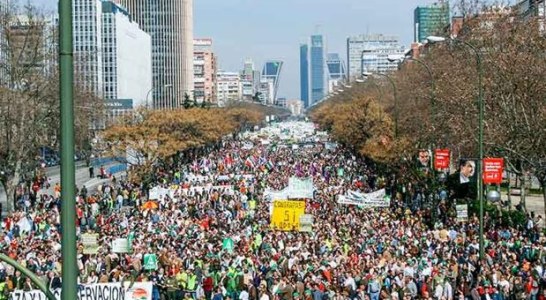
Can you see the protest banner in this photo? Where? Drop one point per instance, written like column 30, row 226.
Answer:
column 492, row 170
column 227, row 244
column 441, row 159
column 120, row 246
column 300, row 188
column 98, row 291
column 90, row 243
column 462, row 212
column 286, row 214
column 306, row 223
column 369, row 200
column 270, row 195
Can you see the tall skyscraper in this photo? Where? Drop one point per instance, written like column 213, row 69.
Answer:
column 430, row 20
column 317, row 54
column 304, row 74
column 313, row 70
column 87, row 34
column 204, row 62
column 170, row 23
column 369, row 53
column 126, row 57
column 336, row 71
column 272, row 71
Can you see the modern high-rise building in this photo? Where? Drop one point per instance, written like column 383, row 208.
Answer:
column 369, row 53
column 170, row 23
column 87, row 37
column 126, row 57
column 272, row 71
column 304, row 74
column 204, row 76
column 250, row 80
column 313, row 70
column 317, row 66
column 430, row 20
column 336, row 71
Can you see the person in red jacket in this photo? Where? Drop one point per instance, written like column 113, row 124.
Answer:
column 208, row 286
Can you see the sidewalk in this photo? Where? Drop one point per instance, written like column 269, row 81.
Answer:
column 534, row 203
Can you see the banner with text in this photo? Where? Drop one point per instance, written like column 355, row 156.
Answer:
column 441, row 159
column 102, row 291
column 492, row 170
column 300, row 188
column 374, row 199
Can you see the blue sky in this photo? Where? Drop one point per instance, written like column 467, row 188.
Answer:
column 274, row 29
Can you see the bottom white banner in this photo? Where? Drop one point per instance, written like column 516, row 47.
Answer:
column 102, row 291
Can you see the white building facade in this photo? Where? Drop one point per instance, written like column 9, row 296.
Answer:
column 368, row 53
column 127, row 57
column 228, row 87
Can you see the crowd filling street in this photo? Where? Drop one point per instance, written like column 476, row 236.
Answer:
column 204, row 230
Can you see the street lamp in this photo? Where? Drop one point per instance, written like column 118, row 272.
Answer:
column 401, row 59
column 368, row 74
column 153, row 88
column 481, row 109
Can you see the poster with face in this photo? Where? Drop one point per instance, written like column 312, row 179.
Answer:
column 423, row 161
column 462, row 183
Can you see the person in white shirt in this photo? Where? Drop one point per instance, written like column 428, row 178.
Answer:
column 439, row 291
column 448, row 290
column 243, row 295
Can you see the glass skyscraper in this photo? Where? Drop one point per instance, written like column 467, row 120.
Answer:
column 317, row 68
column 272, row 71
column 304, row 74
column 430, row 20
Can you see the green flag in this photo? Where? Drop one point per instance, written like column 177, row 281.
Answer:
column 150, row 261
column 227, row 244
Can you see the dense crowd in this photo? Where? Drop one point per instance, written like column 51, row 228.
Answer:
column 218, row 200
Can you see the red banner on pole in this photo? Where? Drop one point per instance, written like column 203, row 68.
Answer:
column 441, row 159
column 492, row 170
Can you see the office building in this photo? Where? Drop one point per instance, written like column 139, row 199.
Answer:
column 266, row 91
column 250, row 80
column 170, row 24
column 87, row 40
column 204, row 75
column 228, row 87
column 304, row 74
column 368, row 53
column 313, row 81
column 430, row 20
column 272, row 71
column 126, row 55
column 317, row 66
column 336, row 71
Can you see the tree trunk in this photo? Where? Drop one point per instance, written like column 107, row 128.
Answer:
column 522, row 193
column 10, row 186
column 543, row 185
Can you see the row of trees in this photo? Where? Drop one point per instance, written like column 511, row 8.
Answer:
column 511, row 50
column 29, row 93
column 150, row 138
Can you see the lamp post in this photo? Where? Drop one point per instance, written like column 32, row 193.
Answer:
column 68, row 178
column 481, row 110
column 153, row 88
column 401, row 59
column 367, row 74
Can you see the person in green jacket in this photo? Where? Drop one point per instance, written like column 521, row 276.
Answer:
column 191, row 285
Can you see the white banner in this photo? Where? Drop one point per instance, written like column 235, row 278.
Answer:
column 120, row 246
column 374, row 199
column 102, row 291
column 300, row 188
column 270, row 195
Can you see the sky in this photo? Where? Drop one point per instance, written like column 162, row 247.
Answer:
column 274, row 29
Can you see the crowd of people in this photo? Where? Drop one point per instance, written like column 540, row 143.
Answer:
column 210, row 237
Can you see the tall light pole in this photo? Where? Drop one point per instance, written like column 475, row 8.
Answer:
column 401, row 59
column 481, row 110
column 153, row 88
column 368, row 74
column 68, row 177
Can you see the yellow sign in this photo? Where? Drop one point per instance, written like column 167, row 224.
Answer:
column 286, row 214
